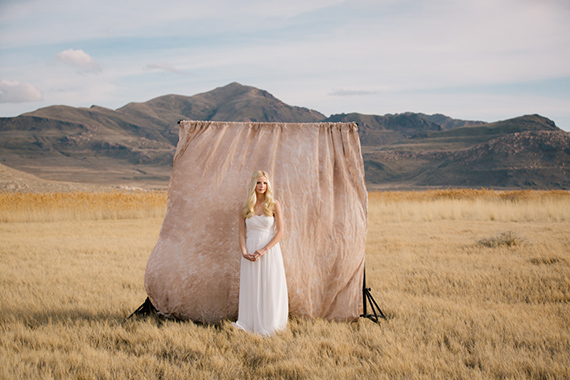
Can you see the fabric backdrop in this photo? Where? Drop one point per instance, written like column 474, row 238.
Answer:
column 317, row 175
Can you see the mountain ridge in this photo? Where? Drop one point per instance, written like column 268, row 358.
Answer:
column 227, row 103
column 134, row 144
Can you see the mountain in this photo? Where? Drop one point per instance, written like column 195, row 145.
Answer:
column 531, row 159
column 448, row 123
column 134, row 145
column 91, row 145
column 233, row 102
column 524, row 152
column 381, row 130
column 387, row 129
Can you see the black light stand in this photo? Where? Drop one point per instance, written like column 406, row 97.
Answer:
column 147, row 308
column 367, row 297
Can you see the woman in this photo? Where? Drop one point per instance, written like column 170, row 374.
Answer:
column 263, row 299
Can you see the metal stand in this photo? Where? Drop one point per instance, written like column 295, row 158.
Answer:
column 367, row 297
column 147, row 308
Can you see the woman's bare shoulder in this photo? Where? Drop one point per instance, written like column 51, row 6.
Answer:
column 277, row 206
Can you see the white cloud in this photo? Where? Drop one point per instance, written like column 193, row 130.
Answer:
column 16, row 92
column 164, row 67
column 79, row 59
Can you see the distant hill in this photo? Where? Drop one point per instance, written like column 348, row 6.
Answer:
column 532, row 159
column 233, row 102
column 524, row 152
column 448, row 123
column 16, row 180
column 134, row 145
column 387, row 129
column 91, row 145
column 381, row 130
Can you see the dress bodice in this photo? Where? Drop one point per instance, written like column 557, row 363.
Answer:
column 260, row 223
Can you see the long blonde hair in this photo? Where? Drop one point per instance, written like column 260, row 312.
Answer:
column 248, row 209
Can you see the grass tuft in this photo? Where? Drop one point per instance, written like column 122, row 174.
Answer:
column 546, row 260
column 506, row 239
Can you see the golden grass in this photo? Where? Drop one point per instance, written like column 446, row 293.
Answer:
column 473, row 194
column 468, row 204
column 456, row 308
column 57, row 206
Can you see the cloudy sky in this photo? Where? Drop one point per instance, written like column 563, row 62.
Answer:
column 470, row 59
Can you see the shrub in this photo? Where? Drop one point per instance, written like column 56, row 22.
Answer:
column 509, row 239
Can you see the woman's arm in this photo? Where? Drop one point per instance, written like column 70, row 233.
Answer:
column 242, row 245
column 279, row 233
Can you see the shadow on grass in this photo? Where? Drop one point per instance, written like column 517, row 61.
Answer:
column 72, row 316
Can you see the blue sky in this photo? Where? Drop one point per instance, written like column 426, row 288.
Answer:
column 470, row 59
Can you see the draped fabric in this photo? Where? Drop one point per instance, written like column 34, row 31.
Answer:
column 317, row 175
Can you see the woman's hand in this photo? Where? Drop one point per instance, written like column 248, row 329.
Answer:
column 261, row 252
column 250, row 256
column 254, row 256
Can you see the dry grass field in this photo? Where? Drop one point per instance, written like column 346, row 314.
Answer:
column 475, row 284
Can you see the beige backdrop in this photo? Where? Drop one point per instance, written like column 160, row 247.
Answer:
column 317, row 174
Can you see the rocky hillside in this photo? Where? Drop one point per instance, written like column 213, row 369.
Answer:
column 447, row 122
column 538, row 159
column 382, row 130
column 525, row 152
column 233, row 102
column 134, row 145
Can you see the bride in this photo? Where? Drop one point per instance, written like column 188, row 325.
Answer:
column 263, row 298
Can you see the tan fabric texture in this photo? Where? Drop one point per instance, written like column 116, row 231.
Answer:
column 317, row 175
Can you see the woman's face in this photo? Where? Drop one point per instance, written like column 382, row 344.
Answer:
column 261, row 186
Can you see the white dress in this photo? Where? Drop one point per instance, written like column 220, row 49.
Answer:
column 263, row 298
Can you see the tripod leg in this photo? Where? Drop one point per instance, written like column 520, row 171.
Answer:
column 367, row 298
column 364, row 298
column 377, row 307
